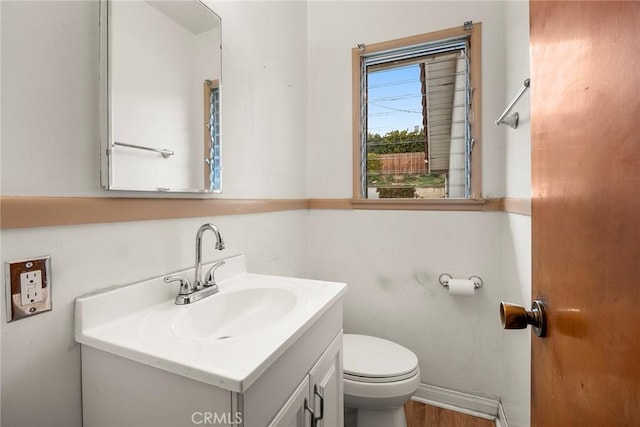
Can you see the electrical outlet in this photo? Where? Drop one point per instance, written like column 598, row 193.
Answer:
column 31, row 287
column 28, row 287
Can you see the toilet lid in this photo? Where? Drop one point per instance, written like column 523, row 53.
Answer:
column 370, row 357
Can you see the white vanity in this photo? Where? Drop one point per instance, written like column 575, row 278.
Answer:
column 264, row 351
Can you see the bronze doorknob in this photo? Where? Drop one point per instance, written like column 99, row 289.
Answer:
column 515, row 316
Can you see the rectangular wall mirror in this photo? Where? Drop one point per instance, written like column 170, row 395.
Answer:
column 160, row 96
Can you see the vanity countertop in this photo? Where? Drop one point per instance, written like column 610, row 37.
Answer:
column 227, row 340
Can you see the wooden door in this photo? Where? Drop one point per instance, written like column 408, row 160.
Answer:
column 585, row 126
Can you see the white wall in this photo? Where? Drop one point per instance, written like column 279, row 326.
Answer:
column 516, row 245
column 50, row 119
column 264, row 68
column 50, row 98
column 516, row 275
column 518, row 141
column 392, row 259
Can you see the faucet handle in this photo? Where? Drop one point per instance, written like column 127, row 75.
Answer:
column 185, row 285
column 209, row 278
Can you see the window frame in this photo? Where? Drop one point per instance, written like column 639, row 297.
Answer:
column 475, row 117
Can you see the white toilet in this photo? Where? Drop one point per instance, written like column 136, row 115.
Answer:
column 379, row 378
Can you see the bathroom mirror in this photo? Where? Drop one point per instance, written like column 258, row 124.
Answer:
column 160, row 96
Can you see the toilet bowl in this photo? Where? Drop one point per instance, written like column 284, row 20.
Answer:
column 379, row 377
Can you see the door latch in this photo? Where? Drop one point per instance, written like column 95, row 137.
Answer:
column 515, row 316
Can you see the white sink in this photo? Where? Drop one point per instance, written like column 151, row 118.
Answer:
column 228, row 314
column 227, row 339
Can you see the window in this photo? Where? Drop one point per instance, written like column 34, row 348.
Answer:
column 212, row 168
column 418, row 129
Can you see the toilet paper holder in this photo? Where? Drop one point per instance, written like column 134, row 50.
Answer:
column 444, row 280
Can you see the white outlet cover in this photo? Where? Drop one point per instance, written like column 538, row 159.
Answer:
column 30, row 287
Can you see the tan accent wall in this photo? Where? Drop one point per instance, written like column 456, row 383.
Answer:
column 23, row 212
column 517, row 206
column 20, row 212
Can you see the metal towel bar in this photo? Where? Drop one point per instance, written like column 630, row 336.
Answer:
column 165, row 153
column 512, row 120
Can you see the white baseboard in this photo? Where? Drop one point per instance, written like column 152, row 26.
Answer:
column 458, row 401
column 502, row 420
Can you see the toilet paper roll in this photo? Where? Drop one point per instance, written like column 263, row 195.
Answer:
column 461, row 287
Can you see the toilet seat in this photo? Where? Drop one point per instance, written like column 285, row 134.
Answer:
column 368, row 359
column 351, row 377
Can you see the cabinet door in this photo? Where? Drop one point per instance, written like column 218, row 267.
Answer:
column 293, row 413
column 325, row 386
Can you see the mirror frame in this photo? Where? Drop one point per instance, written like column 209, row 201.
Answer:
column 106, row 105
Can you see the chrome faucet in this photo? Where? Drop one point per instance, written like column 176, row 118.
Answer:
column 199, row 284
column 200, row 288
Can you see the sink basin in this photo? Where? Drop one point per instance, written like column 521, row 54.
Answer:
column 224, row 315
column 227, row 339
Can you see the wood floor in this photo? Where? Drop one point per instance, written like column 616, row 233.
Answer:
column 421, row 415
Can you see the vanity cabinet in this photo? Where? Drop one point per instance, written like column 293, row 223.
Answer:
column 249, row 356
column 318, row 400
column 294, row 412
column 118, row 391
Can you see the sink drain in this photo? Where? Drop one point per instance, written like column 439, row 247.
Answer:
column 224, row 337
